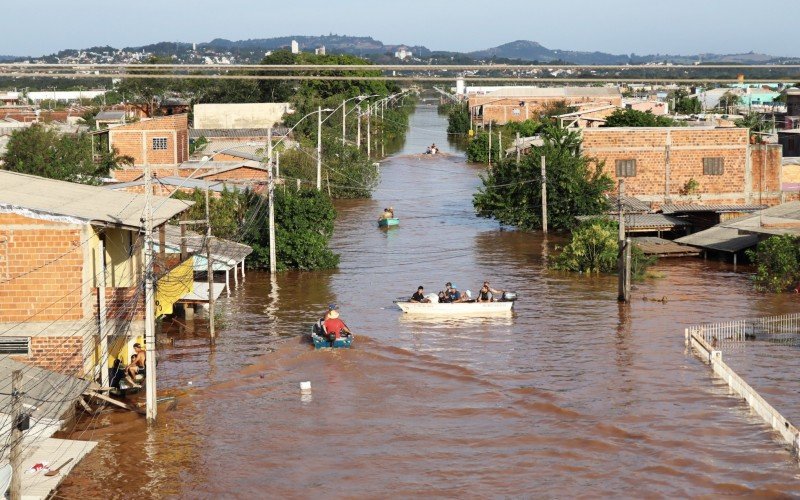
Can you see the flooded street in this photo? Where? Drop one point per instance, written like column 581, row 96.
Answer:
column 573, row 395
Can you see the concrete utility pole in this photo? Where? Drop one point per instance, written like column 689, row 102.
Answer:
column 369, row 131
column 490, row 144
column 273, row 265
column 210, row 268
column 344, row 121
column 518, row 149
column 624, row 255
column 101, row 316
column 319, row 151
column 149, row 316
column 15, row 458
column 358, row 133
column 383, row 126
column 544, row 197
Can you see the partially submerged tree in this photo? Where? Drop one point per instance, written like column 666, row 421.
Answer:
column 777, row 261
column 576, row 185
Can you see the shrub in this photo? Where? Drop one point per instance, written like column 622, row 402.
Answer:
column 777, row 261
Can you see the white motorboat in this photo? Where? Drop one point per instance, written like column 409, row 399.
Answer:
column 457, row 308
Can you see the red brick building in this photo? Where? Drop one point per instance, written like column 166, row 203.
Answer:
column 516, row 104
column 159, row 142
column 660, row 163
column 51, row 269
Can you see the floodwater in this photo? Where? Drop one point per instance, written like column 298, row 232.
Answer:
column 573, row 395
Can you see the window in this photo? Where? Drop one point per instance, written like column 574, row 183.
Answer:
column 159, row 143
column 713, row 166
column 15, row 345
column 515, row 112
column 626, row 168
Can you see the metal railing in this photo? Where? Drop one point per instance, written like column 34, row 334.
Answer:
column 783, row 329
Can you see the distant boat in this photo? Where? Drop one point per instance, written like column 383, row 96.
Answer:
column 388, row 222
column 456, row 308
column 321, row 340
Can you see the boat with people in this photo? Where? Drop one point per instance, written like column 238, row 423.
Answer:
column 321, row 340
column 472, row 308
column 394, row 221
column 451, row 302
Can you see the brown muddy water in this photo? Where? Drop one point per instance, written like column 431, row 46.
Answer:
column 574, row 395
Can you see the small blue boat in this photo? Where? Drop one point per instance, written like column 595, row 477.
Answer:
column 320, row 340
column 388, row 222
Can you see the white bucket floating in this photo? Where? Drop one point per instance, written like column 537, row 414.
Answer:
column 305, row 386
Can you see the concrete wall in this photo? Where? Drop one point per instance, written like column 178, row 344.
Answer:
column 667, row 158
column 237, row 116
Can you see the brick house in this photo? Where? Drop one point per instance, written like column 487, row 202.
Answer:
column 516, row 104
column 659, row 163
column 51, row 270
column 159, row 142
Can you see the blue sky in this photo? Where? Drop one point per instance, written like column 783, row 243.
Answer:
column 617, row 26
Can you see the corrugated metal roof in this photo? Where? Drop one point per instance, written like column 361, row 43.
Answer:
column 720, row 238
column 656, row 222
column 777, row 220
column 110, row 115
column 630, row 204
column 175, row 181
column 225, row 251
column 91, row 204
column 51, row 393
column 228, row 133
column 692, row 207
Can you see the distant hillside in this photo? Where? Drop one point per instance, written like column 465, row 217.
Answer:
column 362, row 45
column 8, row 58
column 526, row 50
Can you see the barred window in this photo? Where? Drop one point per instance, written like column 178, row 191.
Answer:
column 15, row 345
column 713, row 166
column 159, row 143
column 626, row 168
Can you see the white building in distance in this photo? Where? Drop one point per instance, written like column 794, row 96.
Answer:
column 320, row 51
column 295, row 47
column 402, row 53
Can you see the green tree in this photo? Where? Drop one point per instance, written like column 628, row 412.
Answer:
column 511, row 191
column 478, row 148
column 146, row 93
column 594, row 248
column 755, row 122
column 458, row 120
column 304, row 225
column 777, row 261
column 686, row 104
column 729, row 100
column 634, row 118
column 227, row 212
column 41, row 150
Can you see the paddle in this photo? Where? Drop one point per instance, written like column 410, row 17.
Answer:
column 54, row 472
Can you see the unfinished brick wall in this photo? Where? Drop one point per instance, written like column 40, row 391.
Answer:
column 766, row 159
column 668, row 158
column 504, row 110
column 124, row 303
column 41, row 269
column 59, row 354
column 240, row 174
column 136, row 140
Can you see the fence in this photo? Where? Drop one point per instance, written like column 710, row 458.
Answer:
column 708, row 342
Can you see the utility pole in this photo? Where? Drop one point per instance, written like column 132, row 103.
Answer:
column 369, row 131
column 149, row 313
column 544, row 197
column 273, row 266
column 490, row 144
column 15, row 458
column 358, row 134
column 383, row 126
column 624, row 257
column 101, row 316
column 518, row 149
column 319, row 151
column 210, row 268
column 344, row 120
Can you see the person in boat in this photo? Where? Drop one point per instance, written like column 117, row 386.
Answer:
column 388, row 213
column 335, row 327
column 455, row 295
column 419, row 296
column 488, row 294
column 321, row 322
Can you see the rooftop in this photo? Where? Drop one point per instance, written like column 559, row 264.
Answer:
column 231, row 133
column 87, row 204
